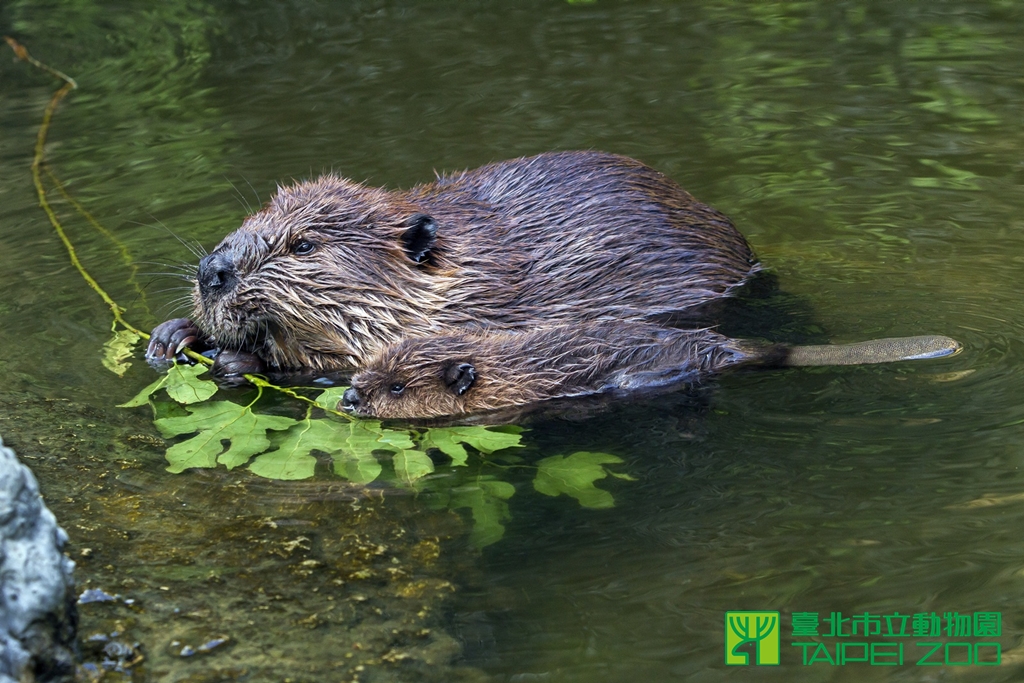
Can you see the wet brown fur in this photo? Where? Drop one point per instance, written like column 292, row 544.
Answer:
column 556, row 238
column 476, row 372
column 520, row 368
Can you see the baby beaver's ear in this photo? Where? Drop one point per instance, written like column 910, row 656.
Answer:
column 419, row 237
column 459, row 377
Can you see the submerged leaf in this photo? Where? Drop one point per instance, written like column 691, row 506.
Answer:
column 444, row 441
column 215, row 423
column 484, row 439
column 117, row 351
column 394, row 438
column 351, row 446
column 574, row 475
column 357, row 467
column 366, row 436
column 411, row 465
column 293, row 459
column 486, row 498
column 184, row 385
column 142, row 398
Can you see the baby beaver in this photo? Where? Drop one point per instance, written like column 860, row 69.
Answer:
column 472, row 372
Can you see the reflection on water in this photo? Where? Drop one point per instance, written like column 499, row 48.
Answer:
column 870, row 151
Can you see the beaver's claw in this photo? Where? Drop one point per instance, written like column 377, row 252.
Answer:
column 168, row 339
column 230, row 365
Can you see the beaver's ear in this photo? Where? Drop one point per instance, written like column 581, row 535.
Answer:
column 459, row 377
column 419, row 237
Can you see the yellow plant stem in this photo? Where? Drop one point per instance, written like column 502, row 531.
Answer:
column 260, row 382
column 45, row 204
column 22, row 54
column 126, row 256
column 38, row 164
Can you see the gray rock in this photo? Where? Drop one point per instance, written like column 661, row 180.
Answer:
column 37, row 608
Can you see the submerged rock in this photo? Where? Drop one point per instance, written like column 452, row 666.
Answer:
column 37, row 603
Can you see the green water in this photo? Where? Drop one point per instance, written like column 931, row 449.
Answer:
column 871, row 152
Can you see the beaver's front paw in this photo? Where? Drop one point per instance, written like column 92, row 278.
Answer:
column 169, row 338
column 230, row 365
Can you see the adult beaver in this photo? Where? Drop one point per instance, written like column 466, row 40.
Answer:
column 330, row 271
column 467, row 372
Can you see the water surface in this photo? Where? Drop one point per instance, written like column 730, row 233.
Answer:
column 870, row 151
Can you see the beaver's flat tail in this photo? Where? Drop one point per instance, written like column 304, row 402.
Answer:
column 873, row 351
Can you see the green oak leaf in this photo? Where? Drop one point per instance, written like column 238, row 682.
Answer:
column 284, row 463
column 485, row 498
column 184, row 385
column 368, row 436
column 411, row 465
column 118, row 349
column 359, row 467
column 216, row 422
column 293, row 458
column 329, row 398
column 395, row 439
column 350, row 444
column 162, row 409
column 357, row 440
column 574, row 475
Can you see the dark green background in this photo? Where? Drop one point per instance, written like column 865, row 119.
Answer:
column 871, row 151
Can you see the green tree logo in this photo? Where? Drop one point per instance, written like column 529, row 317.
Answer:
column 760, row 628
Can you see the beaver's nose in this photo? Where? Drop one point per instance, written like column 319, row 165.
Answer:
column 216, row 274
column 350, row 400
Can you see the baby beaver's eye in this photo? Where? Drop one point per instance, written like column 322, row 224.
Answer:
column 303, row 247
column 396, row 389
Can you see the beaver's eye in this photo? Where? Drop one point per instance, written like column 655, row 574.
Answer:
column 303, row 247
column 396, row 389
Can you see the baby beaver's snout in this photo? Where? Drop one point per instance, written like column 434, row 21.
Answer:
column 350, row 400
